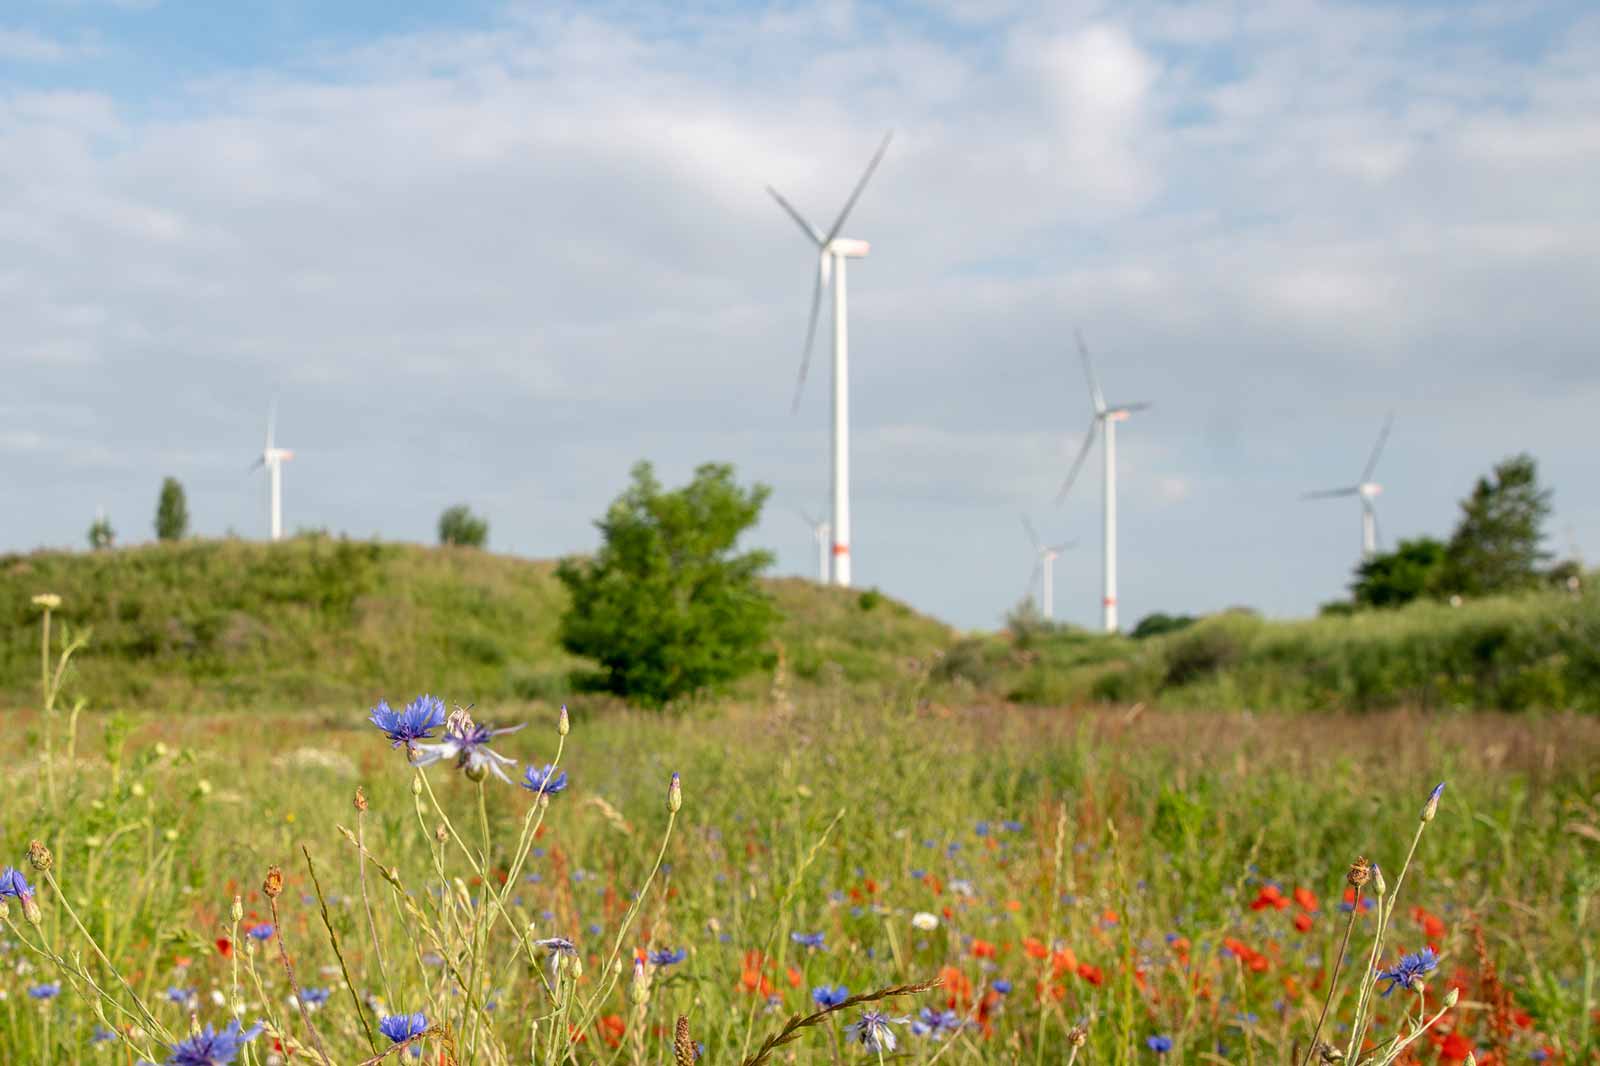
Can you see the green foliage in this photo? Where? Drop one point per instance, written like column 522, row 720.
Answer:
column 458, row 525
column 1154, row 625
column 870, row 599
column 101, row 536
column 667, row 608
column 1496, row 546
column 172, row 511
column 1415, row 569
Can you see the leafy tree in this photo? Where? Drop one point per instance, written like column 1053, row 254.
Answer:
column 458, row 525
column 1153, row 625
column 667, row 607
column 101, row 535
column 1416, row 568
column 172, row 511
column 1496, row 546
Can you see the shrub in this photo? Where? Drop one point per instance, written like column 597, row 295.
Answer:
column 458, row 525
column 1154, row 625
column 667, row 607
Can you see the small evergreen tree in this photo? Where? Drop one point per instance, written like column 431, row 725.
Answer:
column 1416, row 568
column 1497, row 544
column 458, row 525
column 667, row 607
column 172, row 511
column 101, row 535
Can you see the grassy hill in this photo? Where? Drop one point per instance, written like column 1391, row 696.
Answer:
column 318, row 621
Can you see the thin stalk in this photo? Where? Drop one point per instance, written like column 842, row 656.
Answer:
column 333, row 938
column 294, row 987
column 1369, row 981
column 1333, row 980
column 366, row 902
column 66, row 905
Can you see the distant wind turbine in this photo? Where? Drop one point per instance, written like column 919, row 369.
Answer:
column 832, row 252
column 1104, row 420
column 1044, row 556
column 273, row 458
column 1366, row 490
column 819, row 533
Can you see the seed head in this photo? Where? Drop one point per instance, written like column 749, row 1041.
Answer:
column 563, row 723
column 440, row 833
column 47, row 600
column 237, row 910
column 40, row 856
column 1360, row 873
column 361, row 798
column 273, row 885
column 674, row 795
column 1329, row 1054
column 1078, row 1035
column 683, row 1049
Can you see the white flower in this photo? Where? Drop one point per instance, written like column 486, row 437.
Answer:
column 925, row 921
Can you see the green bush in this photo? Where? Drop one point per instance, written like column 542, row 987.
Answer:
column 458, row 525
column 667, row 608
column 172, row 511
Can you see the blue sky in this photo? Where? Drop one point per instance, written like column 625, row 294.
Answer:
column 494, row 253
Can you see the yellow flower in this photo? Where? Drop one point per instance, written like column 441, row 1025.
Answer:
column 48, row 600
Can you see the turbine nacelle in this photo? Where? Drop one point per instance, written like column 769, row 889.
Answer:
column 848, row 247
column 1367, row 490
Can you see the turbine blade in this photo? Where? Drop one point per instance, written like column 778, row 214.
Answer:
column 1095, row 395
column 1329, row 494
column 805, row 227
column 1033, row 535
column 1129, row 408
column 811, row 333
column 1034, row 578
column 877, row 157
column 1077, row 464
column 1063, row 546
column 1383, row 438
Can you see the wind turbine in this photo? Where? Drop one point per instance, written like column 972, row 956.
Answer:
column 273, row 458
column 1366, row 490
column 1103, row 420
column 1045, row 556
column 832, row 253
column 819, row 533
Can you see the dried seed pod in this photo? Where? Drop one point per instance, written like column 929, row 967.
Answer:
column 273, row 885
column 683, row 1049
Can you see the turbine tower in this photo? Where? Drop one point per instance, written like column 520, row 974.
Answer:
column 832, row 253
column 1366, row 490
column 1103, row 420
column 819, row 533
column 273, row 458
column 1045, row 556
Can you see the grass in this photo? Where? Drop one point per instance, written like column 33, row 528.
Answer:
column 1148, row 875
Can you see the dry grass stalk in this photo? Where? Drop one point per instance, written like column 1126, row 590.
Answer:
column 796, row 1025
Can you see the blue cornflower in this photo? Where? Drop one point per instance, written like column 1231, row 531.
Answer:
column 212, row 1048
column 872, row 1030
column 559, row 947
column 826, row 996
column 1003, row 987
column 402, row 1027
column 14, row 885
column 179, row 995
column 417, row 722
column 1159, row 1044
column 931, row 1022
column 808, row 940
column 467, row 742
column 1410, row 968
column 313, row 997
column 263, row 931
column 45, row 991
column 545, row 782
column 1012, row 825
column 1539, row 1054
column 1431, row 807
column 101, row 1034
column 668, row 957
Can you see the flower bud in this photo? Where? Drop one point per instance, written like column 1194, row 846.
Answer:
column 31, row 911
column 563, row 723
column 361, row 798
column 1431, row 808
column 5, row 909
column 273, row 885
column 1451, row 997
column 674, row 795
column 39, row 856
column 1379, row 886
column 1470, row 1060
column 416, row 784
column 639, row 987
column 237, row 910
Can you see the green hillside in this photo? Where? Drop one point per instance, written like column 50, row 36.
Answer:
column 316, row 621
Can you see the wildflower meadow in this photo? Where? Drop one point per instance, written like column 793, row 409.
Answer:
column 812, row 876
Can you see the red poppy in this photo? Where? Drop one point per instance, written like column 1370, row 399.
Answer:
column 1432, row 925
column 1109, row 917
column 1063, row 962
column 1091, row 974
column 1035, row 948
column 224, row 947
column 1269, row 896
column 1302, row 922
column 982, row 949
column 611, row 1029
column 1455, row 1048
column 1305, row 898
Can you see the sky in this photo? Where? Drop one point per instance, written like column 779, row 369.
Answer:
column 495, row 253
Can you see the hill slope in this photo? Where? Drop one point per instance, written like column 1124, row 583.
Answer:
column 317, row 621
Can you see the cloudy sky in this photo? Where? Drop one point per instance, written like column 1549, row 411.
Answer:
column 498, row 256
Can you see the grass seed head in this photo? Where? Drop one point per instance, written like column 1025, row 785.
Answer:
column 273, row 885
column 39, row 856
column 683, row 1050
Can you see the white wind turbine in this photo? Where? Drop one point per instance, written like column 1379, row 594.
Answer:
column 832, row 252
column 819, row 533
column 1044, row 558
column 1366, row 490
column 1103, row 420
column 273, row 458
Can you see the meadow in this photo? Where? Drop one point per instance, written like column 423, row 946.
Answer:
column 1119, row 883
